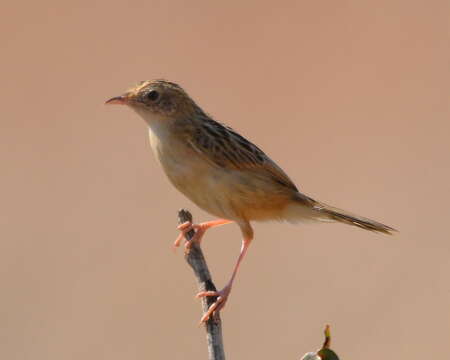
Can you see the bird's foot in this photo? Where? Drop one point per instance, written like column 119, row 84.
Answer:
column 199, row 229
column 219, row 304
column 184, row 229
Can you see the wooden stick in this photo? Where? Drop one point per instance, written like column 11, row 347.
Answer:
column 197, row 262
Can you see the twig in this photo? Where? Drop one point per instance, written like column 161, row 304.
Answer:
column 197, row 261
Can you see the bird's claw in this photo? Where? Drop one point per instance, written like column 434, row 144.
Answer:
column 184, row 229
column 219, row 304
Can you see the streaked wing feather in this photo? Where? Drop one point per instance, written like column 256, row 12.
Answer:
column 223, row 147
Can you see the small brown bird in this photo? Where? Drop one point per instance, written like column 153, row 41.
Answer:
column 222, row 172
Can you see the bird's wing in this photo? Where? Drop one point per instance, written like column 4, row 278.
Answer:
column 225, row 148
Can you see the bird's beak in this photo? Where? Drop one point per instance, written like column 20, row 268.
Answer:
column 119, row 100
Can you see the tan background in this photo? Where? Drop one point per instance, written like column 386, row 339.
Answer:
column 351, row 98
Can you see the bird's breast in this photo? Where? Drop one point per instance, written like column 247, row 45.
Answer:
column 182, row 165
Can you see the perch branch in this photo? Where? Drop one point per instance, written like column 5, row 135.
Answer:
column 197, row 262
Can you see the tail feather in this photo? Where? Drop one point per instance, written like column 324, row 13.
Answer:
column 336, row 214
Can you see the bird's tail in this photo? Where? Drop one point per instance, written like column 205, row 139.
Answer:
column 331, row 213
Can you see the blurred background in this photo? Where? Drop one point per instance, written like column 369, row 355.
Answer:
column 350, row 98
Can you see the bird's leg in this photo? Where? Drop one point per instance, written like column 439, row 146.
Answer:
column 222, row 295
column 200, row 230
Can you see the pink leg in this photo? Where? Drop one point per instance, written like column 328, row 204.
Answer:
column 200, row 230
column 222, row 295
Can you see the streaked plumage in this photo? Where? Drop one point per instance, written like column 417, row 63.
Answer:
column 221, row 171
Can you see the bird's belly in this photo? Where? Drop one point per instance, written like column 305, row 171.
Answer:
column 202, row 187
column 234, row 194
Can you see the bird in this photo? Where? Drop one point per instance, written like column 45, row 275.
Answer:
column 223, row 173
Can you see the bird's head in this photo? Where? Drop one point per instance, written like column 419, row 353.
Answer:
column 157, row 97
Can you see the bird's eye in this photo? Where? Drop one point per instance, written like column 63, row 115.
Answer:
column 153, row 95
